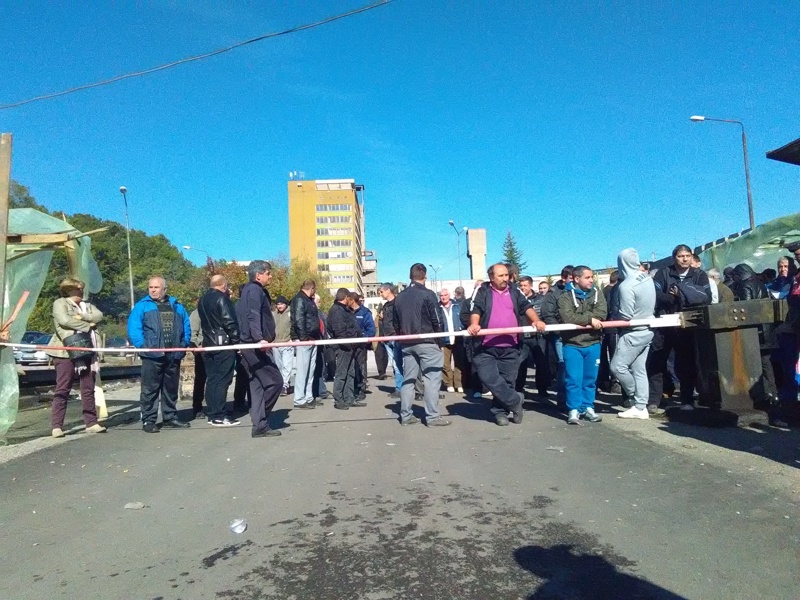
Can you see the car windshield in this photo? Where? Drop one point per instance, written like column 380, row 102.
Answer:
column 42, row 340
column 29, row 336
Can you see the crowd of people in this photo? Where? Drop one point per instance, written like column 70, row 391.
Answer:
column 646, row 365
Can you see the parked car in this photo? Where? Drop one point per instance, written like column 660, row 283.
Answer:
column 117, row 342
column 29, row 336
column 32, row 356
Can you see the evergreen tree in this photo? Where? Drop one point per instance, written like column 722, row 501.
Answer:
column 512, row 254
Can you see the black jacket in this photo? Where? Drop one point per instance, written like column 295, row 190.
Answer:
column 387, row 322
column 549, row 312
column 483, row 303
column 746, row 284
column 218, row 319
column 305, row 318
column 254, row 313
column 415, row 311
column 342, row 324
column 665, row 279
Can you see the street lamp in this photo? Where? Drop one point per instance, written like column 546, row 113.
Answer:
column 699, row 119
column 124, row 191
column 435, row 275
column 209, row 260
column 458, row 243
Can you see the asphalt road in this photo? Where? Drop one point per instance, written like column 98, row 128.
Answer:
column 348, row 504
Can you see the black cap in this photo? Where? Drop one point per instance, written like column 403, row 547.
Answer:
column 281, row 300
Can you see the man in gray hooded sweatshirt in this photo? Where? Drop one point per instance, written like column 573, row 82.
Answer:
column 634, row 298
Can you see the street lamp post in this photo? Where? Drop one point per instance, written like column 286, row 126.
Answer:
column 124, row 191
column 435, row 276
column 209, row 260
column 699, row 119
column 458, row 244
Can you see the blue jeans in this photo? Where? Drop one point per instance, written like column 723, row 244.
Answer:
column 306, row 362
column 396, row 359
column 426, row 358
column 581, row 366
column 561, row 383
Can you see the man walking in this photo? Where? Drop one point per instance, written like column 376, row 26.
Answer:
column 283, row 355
column 582, row 304
column 415, row 312
column 305, row 327
column 386, row 292
column 159, row 321
column 498, row 304
column 453, row 347
column 360, row 353
column 634, row 298
column 341, row 325
column 256, row 325
column 220, row 328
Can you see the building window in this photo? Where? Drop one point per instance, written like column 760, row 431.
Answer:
column 342, row 279
column 334, row 219
column 334, row 243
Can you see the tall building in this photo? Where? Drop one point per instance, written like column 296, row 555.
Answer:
column 326, row 227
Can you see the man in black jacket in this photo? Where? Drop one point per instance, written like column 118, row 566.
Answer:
column 499, row 304
column 341, row 325
column 678, row 287
column 415, row 311
column 305, row 327
column 387, row 329
column 256, row 325
column 551, row 316
column 220, row 328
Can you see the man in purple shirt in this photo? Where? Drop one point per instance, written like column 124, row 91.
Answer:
column 498, row 304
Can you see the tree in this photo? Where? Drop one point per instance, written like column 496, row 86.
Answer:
column 512, row 254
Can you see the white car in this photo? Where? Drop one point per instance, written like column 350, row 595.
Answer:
column 32, row 356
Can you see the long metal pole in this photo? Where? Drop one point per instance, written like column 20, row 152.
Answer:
column 458, row 237
column 128, row 235
column 5, row 188
column 747, row 180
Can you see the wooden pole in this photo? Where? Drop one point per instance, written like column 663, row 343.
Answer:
column 5, row 189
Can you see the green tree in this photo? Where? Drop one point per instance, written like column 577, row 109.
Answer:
column 512, row 254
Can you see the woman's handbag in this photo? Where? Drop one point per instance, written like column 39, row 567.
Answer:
column 82, row 339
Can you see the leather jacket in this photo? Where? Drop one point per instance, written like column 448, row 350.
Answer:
column 305, row 318
column 218, row 322
column 746, row 284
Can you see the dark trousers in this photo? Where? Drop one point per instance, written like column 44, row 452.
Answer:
column 319, row 375
column 609, row 346
column 160, row 379
column 497, row 369
column 65, row 375
column 381, row 358
column 533, row 353
column 788, row 345
column 219, row 369
column 199, row 388
column 360, row 360
column 266, row 383
column 685, row 365
column 344, row 386
column 241, row 388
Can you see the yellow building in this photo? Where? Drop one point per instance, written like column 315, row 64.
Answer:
column 326, row 227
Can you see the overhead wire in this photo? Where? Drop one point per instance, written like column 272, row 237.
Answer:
column 199, row 56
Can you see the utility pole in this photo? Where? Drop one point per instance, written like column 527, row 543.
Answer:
column 5, row 189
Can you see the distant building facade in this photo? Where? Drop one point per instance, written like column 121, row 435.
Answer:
column 326, row 227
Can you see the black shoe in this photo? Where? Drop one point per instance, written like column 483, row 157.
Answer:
column 518, row 412
column 265, row 433
column 501, row 420
column 306, row 406
column 395, row 394
column 382, row 376
column 200, row 414
column 150, row 428
column 358, row 404
column 175, row 423
column 341, row 405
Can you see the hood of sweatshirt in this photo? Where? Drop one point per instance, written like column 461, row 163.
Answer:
column 628, row 263
column 743, row 272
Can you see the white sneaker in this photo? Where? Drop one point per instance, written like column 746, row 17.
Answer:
column 460, row 390
column 634, row 413
column 451, row 389
column 573, row 418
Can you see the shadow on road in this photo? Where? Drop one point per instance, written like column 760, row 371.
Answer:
column 779, row 445
column 567, row 572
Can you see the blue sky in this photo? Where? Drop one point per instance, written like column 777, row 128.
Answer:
column 567, row 125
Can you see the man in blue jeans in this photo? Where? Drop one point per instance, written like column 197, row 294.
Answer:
column 582, row 304
column 305, row 327
column 387, row 329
